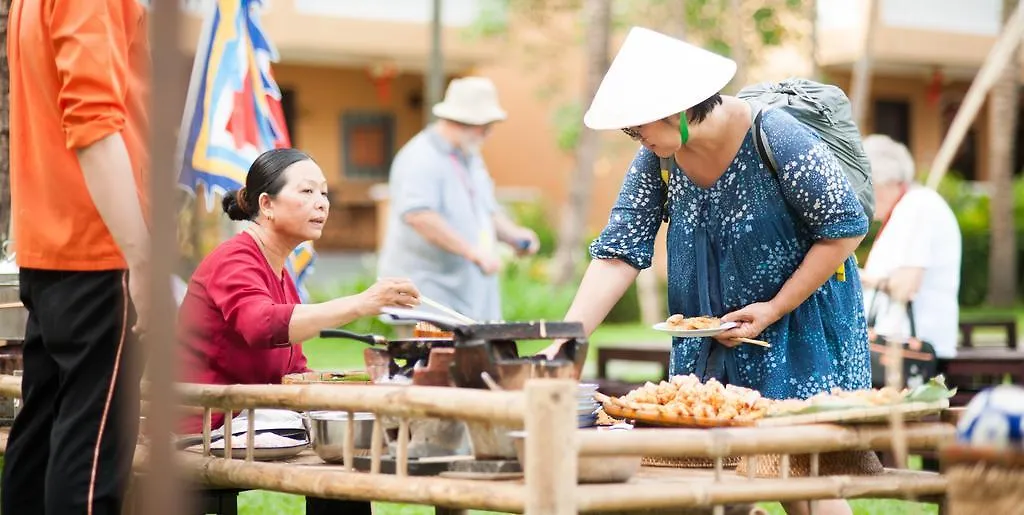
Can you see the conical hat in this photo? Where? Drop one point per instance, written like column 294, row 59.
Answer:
column 654, row 76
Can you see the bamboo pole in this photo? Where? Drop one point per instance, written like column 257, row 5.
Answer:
column 400, row 401
column 746, row 441
column 333, row 483
column 163, row 492
column 660, row 495
column 348, row 452
column 227, row 434
column 894, row 380
column 376, row 442
column 1001, row 53
column 250, row 433
column 815, row 462
column 550, row 466
column 402, row 453
column 673, row 489
column 207, row 423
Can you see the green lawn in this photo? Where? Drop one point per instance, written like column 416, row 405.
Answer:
column 343, row 354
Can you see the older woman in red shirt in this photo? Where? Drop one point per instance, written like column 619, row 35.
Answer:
column 241, row 321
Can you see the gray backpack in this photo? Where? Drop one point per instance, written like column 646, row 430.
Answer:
column 824, row 109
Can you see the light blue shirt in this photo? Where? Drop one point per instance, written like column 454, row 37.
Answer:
column 429, row 173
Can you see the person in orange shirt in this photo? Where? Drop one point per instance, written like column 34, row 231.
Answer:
column 78, row 93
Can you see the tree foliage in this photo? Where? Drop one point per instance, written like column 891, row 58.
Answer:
column 539, row 30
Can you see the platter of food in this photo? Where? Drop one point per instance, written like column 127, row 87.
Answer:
column 693, row 327
column 861, row 406
column 684, row 401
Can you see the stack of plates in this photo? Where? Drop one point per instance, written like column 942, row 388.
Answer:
column 586, row 406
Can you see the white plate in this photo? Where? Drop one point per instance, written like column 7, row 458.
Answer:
column 694, row 333
column 263, row 454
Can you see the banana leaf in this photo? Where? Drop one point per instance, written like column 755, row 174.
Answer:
column 934, row 390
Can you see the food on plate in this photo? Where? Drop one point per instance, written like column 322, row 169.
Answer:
column 686, row 396
column 428, row 330
column 681, row 323
column 604, row 419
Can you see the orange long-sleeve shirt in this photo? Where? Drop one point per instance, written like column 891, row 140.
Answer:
column 79, row 73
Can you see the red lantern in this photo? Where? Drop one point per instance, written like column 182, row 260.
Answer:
column 934, row 93
column 382, row 75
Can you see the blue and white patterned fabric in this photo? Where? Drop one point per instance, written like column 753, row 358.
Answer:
column 736, row 243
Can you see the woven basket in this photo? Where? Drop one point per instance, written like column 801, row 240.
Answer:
column 845, row 463
column 315, row 378
column 688, row 463
column 985, row 488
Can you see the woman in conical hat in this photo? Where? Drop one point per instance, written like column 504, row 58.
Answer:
column 743, row 244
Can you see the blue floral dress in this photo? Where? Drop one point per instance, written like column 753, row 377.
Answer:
column 736, row 243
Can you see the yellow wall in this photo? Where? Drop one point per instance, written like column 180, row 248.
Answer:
column 322, row 96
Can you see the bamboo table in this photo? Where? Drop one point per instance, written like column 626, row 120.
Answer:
column 546, row 407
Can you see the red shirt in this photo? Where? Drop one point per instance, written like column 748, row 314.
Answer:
column 233, row 322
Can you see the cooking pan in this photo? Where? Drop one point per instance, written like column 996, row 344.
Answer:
column 399, row 348
column 412, row 350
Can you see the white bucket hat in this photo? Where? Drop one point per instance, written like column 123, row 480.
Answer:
column 472, row 101
column 654, row 76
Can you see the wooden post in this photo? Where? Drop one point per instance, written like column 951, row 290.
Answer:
column 163, row 492
column 1004, row 49
column 551, row 450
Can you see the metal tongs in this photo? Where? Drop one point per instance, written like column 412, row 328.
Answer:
column 447, row 310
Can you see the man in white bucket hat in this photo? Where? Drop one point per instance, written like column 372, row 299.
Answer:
column 444, row 222
column 746, row 245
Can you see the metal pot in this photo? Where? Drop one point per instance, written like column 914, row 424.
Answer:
column 13, row 316
column 327, row 433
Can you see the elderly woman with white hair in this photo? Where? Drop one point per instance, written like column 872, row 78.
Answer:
column 744, row 244
column 915, row 256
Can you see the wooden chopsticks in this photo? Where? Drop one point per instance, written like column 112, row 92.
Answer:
column 753, row 342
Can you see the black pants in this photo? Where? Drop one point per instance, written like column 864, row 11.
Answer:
column 71, row 447
column 316, row 506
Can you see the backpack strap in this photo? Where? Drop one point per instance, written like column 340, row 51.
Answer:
column 761, row 140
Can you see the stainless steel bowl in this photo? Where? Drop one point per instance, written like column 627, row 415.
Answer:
column 327, row 433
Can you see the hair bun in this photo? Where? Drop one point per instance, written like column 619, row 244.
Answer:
column 234, row 205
